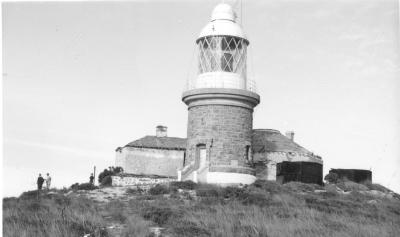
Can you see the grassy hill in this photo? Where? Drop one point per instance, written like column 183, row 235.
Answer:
column 187, row 209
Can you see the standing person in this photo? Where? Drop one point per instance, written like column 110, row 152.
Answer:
column 48, row 181
column 91, row 179
column 39, row 182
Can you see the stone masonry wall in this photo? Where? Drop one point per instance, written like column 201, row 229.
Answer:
column 120, row 158
column 149, row 161
column 225, row 130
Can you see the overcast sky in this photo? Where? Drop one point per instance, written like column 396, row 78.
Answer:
column 81, row 79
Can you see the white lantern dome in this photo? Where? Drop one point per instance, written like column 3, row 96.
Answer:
column 223, row 22
column 223, row 11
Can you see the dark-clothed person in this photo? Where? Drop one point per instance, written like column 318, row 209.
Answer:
column 40, row 182
column 91, row 178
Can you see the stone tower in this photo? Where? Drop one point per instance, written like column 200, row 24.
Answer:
column 220, row 103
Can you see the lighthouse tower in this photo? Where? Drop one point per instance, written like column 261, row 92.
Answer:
column 220, row 104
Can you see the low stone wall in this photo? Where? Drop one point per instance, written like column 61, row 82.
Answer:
column 142, row 182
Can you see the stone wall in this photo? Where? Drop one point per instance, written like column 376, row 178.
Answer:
column 148, row 161
column 142, row 182
column 265, row 162
column 225, row 130
column 120, row 157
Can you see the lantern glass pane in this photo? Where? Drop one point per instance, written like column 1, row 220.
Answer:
column 222, row 53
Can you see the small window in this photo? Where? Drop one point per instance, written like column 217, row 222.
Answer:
column 248, row 154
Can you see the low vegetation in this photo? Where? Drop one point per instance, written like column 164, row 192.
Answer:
column 187, row 209
column 34, row 214
column 83, row 186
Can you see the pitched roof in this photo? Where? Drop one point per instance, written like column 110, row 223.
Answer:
column 264, row 140
column 270, row 140
column 170, row 143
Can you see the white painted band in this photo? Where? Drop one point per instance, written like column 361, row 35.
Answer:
column 229, row 178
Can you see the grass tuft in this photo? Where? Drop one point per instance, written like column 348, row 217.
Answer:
column 159, row 189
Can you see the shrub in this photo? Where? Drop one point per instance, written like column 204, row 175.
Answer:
column 35, row 207
column 83, row 186
column 234, row 192
column 146, row 197
column 247, row 196
column 358, row 197
column 188, row 228
column 188, row 184
column 341, row 206
column 29, row 194
column 332, row 178
column 301, row 187
column 106, row 181
column 158, row 190
column 271, row 187
column 62, row 200
column 351, row 186
column 137, row 226
column 74, row 186
column 86, row 186
column 377, row 187
column 160, row 215
column 331, row 190
column 103, row 174
column 257, row 198
column 136, row 190
column 111, row 171
column 207, row 192
column 116, row 210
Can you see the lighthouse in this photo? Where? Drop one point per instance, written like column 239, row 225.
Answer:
column 220, row 101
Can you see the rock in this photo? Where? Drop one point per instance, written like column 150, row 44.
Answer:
column 156, row 231
column 372, row 202
column 377, row 193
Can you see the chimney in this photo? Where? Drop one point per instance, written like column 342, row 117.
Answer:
column 290, row 135
column 161, row 131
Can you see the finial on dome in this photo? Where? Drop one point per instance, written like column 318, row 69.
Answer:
column 223, row 11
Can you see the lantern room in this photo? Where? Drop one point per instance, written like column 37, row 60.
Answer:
column 222, row 53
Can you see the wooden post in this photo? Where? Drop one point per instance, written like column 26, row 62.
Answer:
column 94, row 175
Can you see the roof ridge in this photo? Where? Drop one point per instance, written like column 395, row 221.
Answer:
column 163, row 137
column 150, row 141
column 265, row 140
